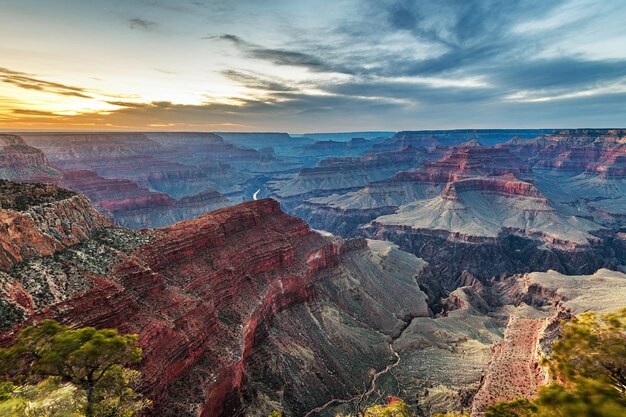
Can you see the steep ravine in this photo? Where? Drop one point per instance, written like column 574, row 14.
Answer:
column 365, row 395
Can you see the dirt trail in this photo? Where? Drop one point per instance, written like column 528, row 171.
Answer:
column 365, row 394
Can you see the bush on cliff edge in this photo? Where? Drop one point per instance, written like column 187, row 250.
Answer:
column 53, row 370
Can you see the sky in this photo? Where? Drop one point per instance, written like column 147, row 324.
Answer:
column 311, row 65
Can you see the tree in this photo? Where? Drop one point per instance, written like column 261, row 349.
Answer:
column 592, row 347
column 588, row 364
column 516, row 408
column 49, row 398
column 94, row 361
column 451, row 415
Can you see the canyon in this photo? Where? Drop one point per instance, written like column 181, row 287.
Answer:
column 434, row 266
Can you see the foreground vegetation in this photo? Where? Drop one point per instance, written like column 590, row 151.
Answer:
column 52, row 370
column 587, row 364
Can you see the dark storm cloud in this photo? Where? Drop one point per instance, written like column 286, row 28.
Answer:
column 27, row 81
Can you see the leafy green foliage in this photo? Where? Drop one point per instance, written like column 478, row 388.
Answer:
column 517, row 408
column 90, row 362
column 592, row 347
column 589, row 365
column 396, row 408
column 49, row 398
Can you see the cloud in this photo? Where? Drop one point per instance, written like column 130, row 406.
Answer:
column 411, row 92
column 279, row 56
column 40, row 113
column 142, row 24
column 559, row 73
column 27, row 81
column 381, row 64
column 256, row 82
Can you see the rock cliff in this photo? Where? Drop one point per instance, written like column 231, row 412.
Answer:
column 203, row 295
column 41, row 219
column 20, row 162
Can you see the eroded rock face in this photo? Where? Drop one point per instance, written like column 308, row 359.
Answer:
column 543, row 300
column 581, row 168
column 194, row 148
column 177, row 164
column 481, row 209
column 246, row 309
column 203, row 294
column 360, row 308
column 131, row 206
column 343, row 213
column 430, row 139
column 340, row 175
column 20, row 162
column 41, row 219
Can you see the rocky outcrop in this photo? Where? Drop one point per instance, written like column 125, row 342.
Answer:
column 20, row 162
column 41, row 219
column 481, row 209
column 581, row 168
column 340, row 175
column 385, row 197
column 203, row 294
column 514, row 371
column 430, row 139
column 131, row 206
column 544, row 300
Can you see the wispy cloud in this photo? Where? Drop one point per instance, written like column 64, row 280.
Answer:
column 257, row 82
column 137, row 23
column 27, row 81
column 281, row 56
column 376, row 64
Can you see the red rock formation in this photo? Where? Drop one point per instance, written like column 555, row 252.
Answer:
column 574, row 150
column 514, row 371
column 430, row 139
column 250, row 260
column 506, row 185
column 343, row 214
column 20, row 162
column 41, row 219
column 132, row 206
column 467, row 161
